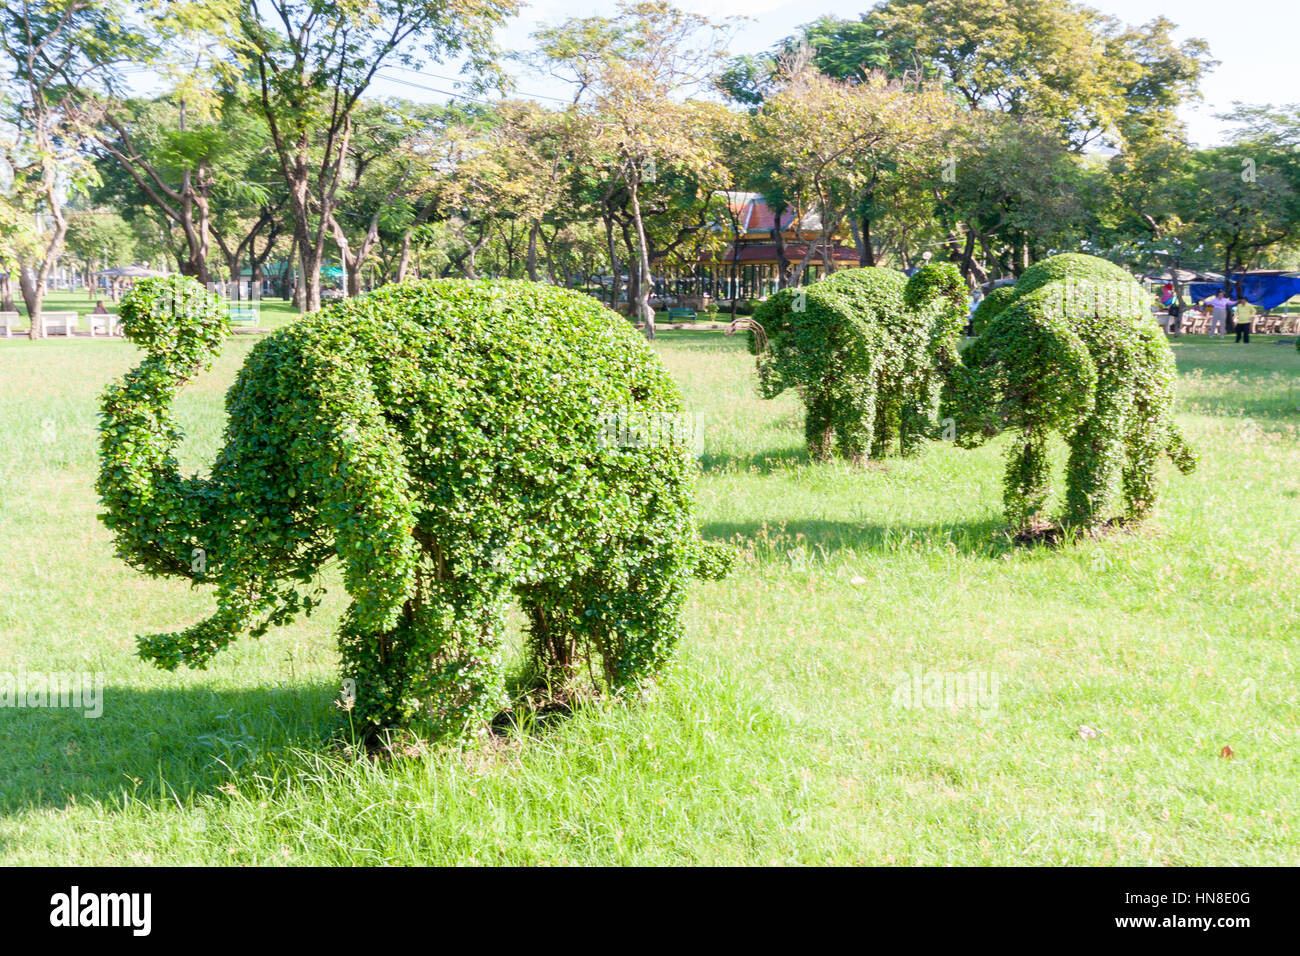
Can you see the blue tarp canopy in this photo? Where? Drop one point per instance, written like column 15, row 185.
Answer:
column 1264, row 290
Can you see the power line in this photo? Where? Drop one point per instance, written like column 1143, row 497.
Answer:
column 455, row 79
column 463, row 96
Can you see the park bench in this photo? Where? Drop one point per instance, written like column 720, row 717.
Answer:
column 239, row 315
column 681, row 315
column 7, row 319
column 66, row 321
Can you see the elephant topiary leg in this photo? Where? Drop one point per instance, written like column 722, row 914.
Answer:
column 442, row 663
column 617, row 629
column 819, row 426
column 889, row 413
column 644, row 626
column 854, row 434
column 918, row 414
column 1096, row 457
column 1145, row 444
column 1027, row 482
column 558, row 635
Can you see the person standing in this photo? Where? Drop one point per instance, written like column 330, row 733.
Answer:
column 1169, row 301
column 1241, row 328
column 1219, row 316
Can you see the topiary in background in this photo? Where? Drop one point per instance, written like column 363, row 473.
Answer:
column 1076, row 350
column 454, row 443
column 863, row 348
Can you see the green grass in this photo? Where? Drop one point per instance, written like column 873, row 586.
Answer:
column 777, row 738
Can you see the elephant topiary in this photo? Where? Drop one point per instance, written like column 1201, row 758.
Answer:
column 1074, row 350
column 863, row 347
column 454, row 443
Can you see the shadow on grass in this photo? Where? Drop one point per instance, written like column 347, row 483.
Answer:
column 764, row 462
column 179, row 742
column 988, row 538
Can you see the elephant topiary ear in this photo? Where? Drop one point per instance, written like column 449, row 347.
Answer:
column 1047, row 369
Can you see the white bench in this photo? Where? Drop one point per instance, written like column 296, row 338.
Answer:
column 240, row 314
column 67, row 321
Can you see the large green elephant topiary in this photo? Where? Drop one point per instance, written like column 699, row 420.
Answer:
column 863, row 347
column 454, row 443
column 1074, row 349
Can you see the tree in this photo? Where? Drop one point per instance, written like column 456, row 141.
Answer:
column 310, row 64
column 826, row 145
column 188, row 153
column 1241, row 204
column 1056, row 59
column 99, row 236
column 641, row 70
column 1016, row 191
column 51, row 47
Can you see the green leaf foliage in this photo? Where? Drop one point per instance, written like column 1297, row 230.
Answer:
column 1072, row 348
column 864, row 348
column 455, row 444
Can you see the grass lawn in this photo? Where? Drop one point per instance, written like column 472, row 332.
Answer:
column 781, row 736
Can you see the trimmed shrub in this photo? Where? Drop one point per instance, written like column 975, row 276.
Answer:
column 863, row 347
column 454, row 443
column 1074, row 349
column 989, row 306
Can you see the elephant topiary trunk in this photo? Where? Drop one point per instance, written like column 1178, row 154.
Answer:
column 865, row 349
column 454, row 444
column 1072, row 348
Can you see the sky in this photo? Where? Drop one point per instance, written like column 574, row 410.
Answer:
column 1256, row 41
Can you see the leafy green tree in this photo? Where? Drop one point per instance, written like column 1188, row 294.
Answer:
column 643, row 71
column 311, row 61
column 99, row 236
column 825, row 145
column 1056, row 59
column 52, row 48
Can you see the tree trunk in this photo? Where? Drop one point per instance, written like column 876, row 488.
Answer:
column 782, row 263
column 866, row 249
column 404, row 261
column 615, row 269
column 33, row 293
column 532, row 250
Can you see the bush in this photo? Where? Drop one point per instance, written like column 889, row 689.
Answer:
column 454, row 443
column 989, row 306
column 1073, row 349
column 863, row 347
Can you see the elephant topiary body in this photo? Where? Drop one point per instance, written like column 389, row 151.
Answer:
column 1073, row 349
column 863, row 347
column 454, row 443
